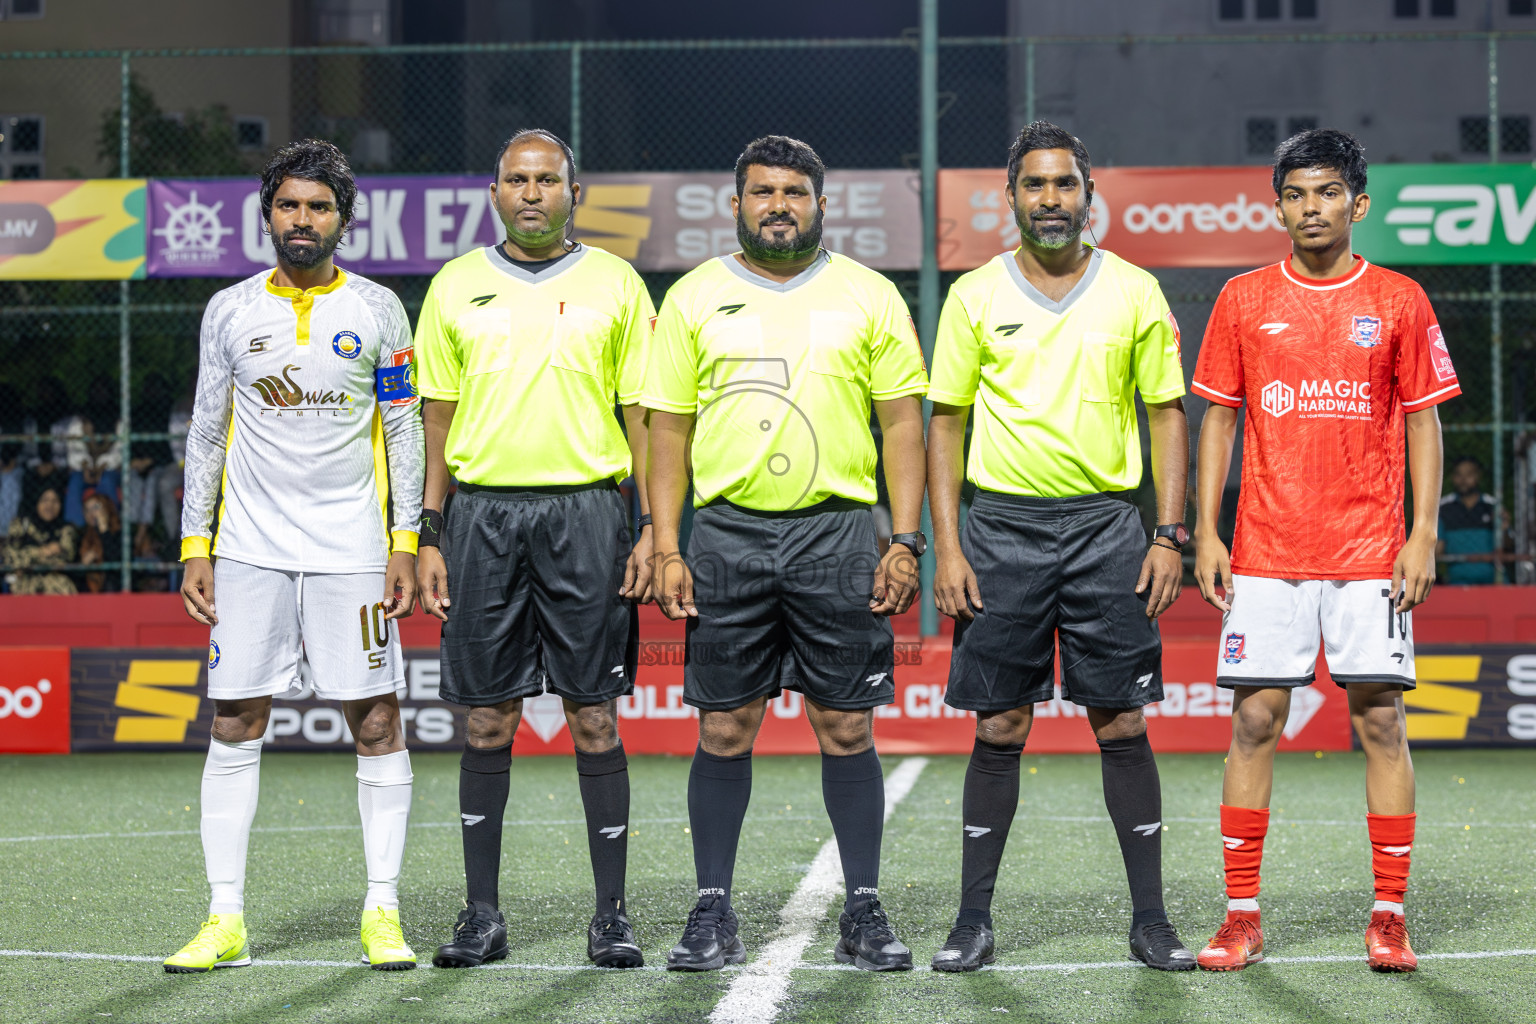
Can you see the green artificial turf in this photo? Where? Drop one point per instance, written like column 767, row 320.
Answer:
column 138, row 891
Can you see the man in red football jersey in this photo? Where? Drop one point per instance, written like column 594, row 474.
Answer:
column 1332, row 356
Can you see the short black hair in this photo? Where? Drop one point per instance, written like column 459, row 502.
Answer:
column 1322, row 147
column 310, row 160
column 781, row 151
column 1045, row 135
column 536, row 133
column 1477, row 462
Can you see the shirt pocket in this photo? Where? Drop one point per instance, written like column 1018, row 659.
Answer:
column 837, row 347
column 1106, row 366
column 485, row 338
column 1011, row 363
column 581, row 341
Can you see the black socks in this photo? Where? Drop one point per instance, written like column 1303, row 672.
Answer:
column 484, row 778
column 604, row 782
column 853, row 788
column 1134, row 797
column 718, row 791
column 991, row 798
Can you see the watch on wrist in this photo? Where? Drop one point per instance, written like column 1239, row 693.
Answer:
column 915, row 540
column 1176, row 532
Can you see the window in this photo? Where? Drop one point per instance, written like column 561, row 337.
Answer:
column 1520, row 8
column 1230, row 10
column 21, row 9
column 1406, row 8
column 1304, row 10
column 1442, row 8
column 1262, row 135
column 21, row 146
column 1266, row 10
column 251, row 132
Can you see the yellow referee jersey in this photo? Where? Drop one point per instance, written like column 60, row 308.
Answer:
column 534, row 360
column 781, row 377
column 1054, row 382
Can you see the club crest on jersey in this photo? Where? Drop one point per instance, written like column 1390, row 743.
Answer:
column 347, row 345
column 213, row 654
column 1232, row 650
column 1367, row 331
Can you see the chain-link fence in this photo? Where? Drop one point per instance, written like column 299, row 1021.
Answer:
column 95, row 392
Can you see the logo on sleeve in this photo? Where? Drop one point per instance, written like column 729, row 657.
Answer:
column 1441, row 355
column 347, row 345
column 1232, row 649
column 1367, row 331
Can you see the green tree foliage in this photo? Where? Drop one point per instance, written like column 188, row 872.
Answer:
column 202, row 142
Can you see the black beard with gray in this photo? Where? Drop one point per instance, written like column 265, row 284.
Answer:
column 529, row 240
column 303, row 257
column 1052, row 234
column 764, row 249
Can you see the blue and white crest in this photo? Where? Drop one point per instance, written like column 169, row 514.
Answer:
column 1367, row 331
column 347, row 345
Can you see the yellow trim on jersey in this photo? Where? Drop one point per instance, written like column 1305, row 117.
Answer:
column 404, row 540
column 380, row 465
column 194, row 547
column 303, row 300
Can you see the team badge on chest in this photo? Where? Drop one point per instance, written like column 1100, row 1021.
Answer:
column 347, row 345
column 1367, row 331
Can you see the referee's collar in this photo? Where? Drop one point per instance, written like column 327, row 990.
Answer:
column 544, row 270
column 1039, row 298
column 820, row 263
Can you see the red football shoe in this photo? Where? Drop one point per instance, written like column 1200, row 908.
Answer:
column 1386, row 943
column 1238, row 943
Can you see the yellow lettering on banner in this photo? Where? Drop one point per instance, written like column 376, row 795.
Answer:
column 1450, row 707
column 172, row 711
column 600, row 222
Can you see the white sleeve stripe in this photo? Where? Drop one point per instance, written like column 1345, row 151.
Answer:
column 1432, row 394
column 1218, row 394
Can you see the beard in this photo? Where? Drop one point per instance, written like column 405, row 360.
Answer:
column 306, row 257
column 790, row 248
column 555, row 228
column 1052, row 234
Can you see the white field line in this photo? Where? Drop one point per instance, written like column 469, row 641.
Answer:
column 755, row 993
column 1062, row 968
column 751, row 820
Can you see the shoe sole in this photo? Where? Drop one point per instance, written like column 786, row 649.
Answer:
column 182, row 969
column 448, row 961
column 1256, row 958
column 390, row 965
column 1172, row 965
column 866, row 965
column 735, row 955
column 958, row 967
column 1387, row 967
column 618, row 961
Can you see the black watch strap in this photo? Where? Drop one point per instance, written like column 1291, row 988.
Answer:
column 914, row 541
column 1178, row 533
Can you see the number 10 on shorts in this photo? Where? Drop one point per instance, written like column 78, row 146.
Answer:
column 375, row 633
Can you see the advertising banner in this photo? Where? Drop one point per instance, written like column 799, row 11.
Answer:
column 414, row 224
column 1478, row 695
column 34, row 700
column 152, row 699
column 1450, row 213
column 72, row 230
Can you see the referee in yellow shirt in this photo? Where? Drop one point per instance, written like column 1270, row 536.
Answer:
column 1050, row 343
column 771, row 358
column 522, row 349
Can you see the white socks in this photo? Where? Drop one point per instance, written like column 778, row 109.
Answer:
column 1252, row 906
column 1396, row 908
column 231, row 778
column 384, row 801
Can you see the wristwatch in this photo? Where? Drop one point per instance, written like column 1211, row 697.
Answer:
column 916, row 541
column 1175, row 532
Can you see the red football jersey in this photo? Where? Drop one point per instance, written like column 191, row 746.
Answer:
column 1328, row 369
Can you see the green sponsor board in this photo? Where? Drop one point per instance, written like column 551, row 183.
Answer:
column 1450, row 213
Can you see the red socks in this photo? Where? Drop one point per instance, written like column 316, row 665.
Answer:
column 1391, row 841
column 1242, row 833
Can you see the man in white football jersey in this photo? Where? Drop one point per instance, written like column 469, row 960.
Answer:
column 306, row 425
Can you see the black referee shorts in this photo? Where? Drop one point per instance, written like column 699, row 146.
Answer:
column 783, row 602
column 1052, row 568
column 533, row 578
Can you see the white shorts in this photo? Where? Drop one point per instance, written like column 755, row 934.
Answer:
column 281, row 632
column 1270, row 636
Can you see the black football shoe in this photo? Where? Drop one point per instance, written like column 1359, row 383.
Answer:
column 867, row 941
column 709, row 939
column 968, row 947
column 479, row 936
column 611, row 942
column 1157, row 945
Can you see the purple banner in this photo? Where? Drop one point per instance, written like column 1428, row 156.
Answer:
column 414, row 224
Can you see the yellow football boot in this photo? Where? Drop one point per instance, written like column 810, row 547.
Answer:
column 220, row 942
column 384, row 947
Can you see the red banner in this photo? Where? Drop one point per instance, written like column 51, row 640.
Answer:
column 34, row 701
column 1151, row 216
column 1194, row 716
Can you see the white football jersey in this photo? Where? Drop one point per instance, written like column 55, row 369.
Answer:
column 306, row 424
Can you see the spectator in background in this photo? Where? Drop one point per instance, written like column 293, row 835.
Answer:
column 101, row 542
column 41, row 540
column 95, row 452
column 47, row 460
column 1467, row 525
column 13, row 469
column 150, row 503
